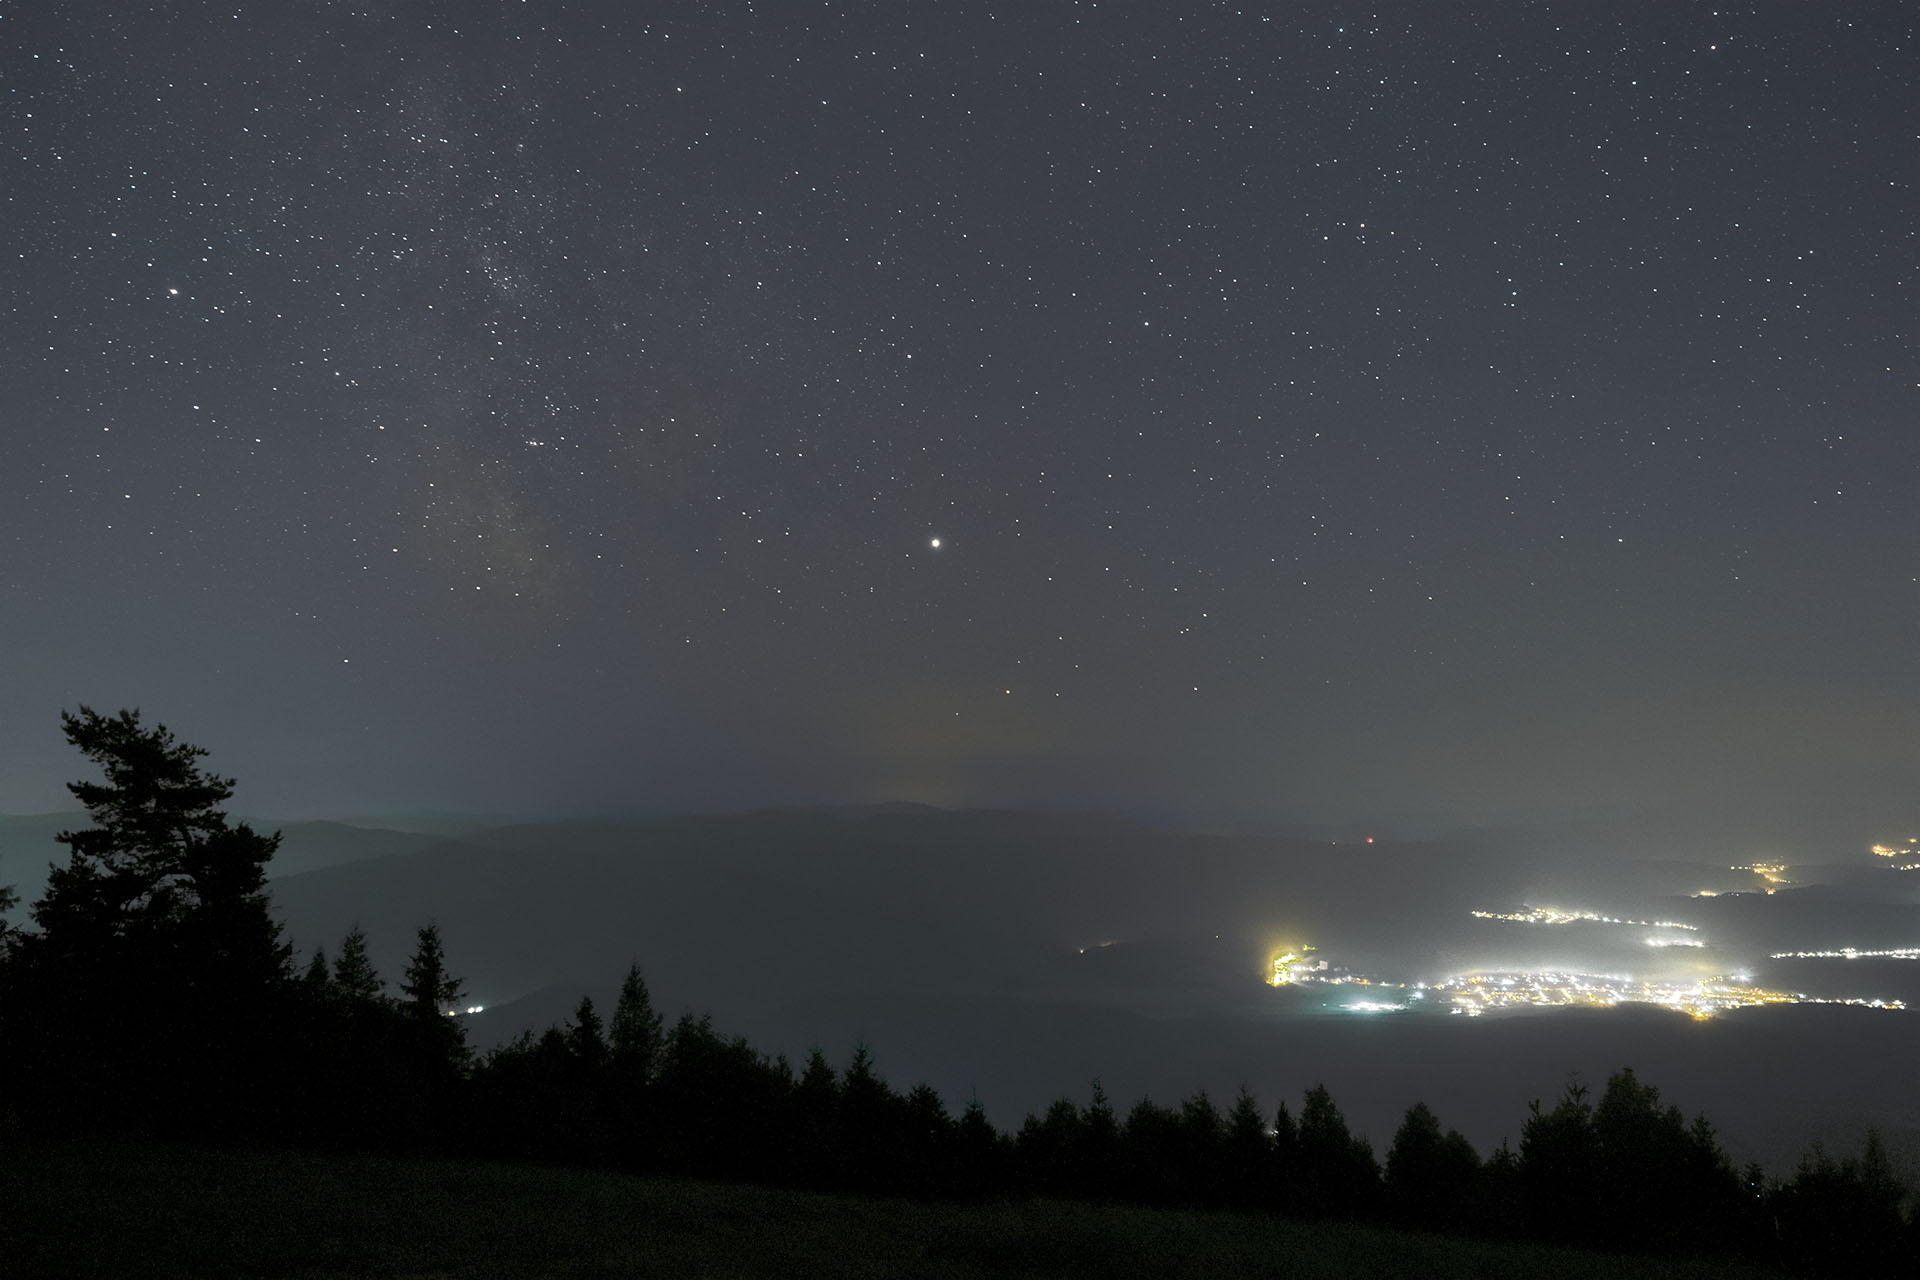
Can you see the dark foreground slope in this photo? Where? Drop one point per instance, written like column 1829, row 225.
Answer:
column 158, row 1212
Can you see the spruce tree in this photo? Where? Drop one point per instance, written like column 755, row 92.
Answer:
column 1286, row 1163
column 819, row 1086
column 435, row 1053
column 585, row 1039
column 635, row 1033
column 1430, row 1174
column 866, row 1106
column 354, row 976
column 978, row 1152
column 635, row 1051
column 1560, row 1168
column 1249, row 1153
column 428, row 985
column 816, row 1101
column 1342, row 1179
column 1100, row 1138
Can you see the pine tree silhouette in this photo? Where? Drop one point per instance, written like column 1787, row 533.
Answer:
column 153, row 980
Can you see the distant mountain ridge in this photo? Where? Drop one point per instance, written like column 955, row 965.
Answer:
column 28, row 845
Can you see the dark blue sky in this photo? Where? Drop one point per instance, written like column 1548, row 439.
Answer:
column 1432, row 414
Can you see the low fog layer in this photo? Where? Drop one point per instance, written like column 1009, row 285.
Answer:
column 1015, row 957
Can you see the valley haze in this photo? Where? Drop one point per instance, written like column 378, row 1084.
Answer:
column 1015, row 957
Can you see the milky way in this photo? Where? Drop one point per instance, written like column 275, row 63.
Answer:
column 1454, row 414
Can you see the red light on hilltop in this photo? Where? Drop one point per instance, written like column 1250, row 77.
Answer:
column 1369, row 839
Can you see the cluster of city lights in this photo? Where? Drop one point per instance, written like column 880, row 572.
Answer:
column 1555, row 915
column 1774, row 873
column 1476, row 994
column 1911, row 849
column 1293, row 969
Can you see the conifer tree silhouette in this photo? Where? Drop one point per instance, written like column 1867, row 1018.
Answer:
column 1337, row 1170
column 435, row 1053
column 1430, row 1174
column 153, row 977
column 1559, row 1168
column 354, row 976
column 585, row 1039
column 635, row 1033
column 428, row 985
column 1249, row 1154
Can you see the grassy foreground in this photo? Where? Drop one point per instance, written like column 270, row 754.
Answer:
column 100, row 1210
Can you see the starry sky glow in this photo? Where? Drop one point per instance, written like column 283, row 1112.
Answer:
column 1421, row 413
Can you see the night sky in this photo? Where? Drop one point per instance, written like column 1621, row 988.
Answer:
column 1434, row 415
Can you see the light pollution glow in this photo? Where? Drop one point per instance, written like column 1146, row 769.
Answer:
column 1478, row 993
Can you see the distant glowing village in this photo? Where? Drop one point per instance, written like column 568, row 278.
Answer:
column 1475, row 994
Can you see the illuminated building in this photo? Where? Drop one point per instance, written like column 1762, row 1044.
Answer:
column 1294, row 967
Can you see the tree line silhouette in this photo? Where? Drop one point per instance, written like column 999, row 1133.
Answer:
column 156, row 998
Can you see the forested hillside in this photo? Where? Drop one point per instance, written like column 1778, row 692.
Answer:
column 153, row 998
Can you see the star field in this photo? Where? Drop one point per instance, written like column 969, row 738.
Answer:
column 1463, row 414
